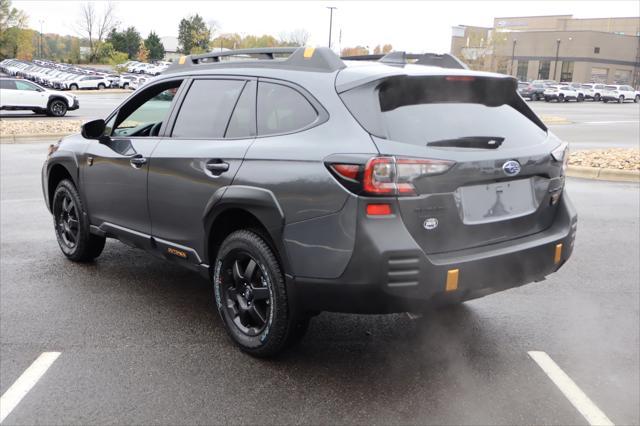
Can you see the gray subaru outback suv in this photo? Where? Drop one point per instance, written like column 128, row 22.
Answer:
column 298, row 182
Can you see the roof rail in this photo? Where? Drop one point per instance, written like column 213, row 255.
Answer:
column 320, row 59
column 444, row 60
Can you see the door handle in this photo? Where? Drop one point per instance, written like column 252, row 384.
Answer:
column 217, row 166
column 138, row 161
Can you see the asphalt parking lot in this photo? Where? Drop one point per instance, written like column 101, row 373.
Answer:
column 140, row 342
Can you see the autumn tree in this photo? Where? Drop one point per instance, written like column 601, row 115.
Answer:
column 354, row 51
column 143, row 52
column 95, row 26
column 13, row 33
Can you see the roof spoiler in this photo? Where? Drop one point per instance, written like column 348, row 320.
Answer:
column 400, row 58
column 320, row 59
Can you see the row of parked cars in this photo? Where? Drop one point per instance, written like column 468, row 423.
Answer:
column 549, row 90
column 70, row 77
column 136, row 67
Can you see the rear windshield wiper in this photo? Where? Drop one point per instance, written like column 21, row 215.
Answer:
column 481, row 142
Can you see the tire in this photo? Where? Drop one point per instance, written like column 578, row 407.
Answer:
column 546, row 99
column 561, row 98
column 71, row 225
column 251, row 295
column 621, row 99
column 125, row 86
column 534, row 97
column 605, row 100
column 636, row 99
column 57, row 108
column 73, row 87
column 101, row 86
column 596, row 97
column 580, row 98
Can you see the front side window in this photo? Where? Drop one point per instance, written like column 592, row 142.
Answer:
column 282, row 109
column 144, row 114
column 206, row 109
column 25, row 85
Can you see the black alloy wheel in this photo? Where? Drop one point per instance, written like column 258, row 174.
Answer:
column 246, row 297
column 57, row 108
column 621, row 99
column 67, row 221
column 596, row 97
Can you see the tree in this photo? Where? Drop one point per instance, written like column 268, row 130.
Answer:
column 143, row 53
column 297, row 37
column 13, row 23
column 354, row 51
column 95, row 26
column 127, row 41
column 193, row 33
column 382, row 50
column 154, row 46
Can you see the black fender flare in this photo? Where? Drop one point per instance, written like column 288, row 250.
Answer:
column 69, row 161
column 55, row 96
column 259, row 202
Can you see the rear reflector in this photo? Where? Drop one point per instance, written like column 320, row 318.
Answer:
column 347, row 171
column 452, row 280
column 558, row 255
column 378, row 209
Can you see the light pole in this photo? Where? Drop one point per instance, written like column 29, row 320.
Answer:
column 555, row 65
column 513, row 52
column 41, row 46
column 330, row 22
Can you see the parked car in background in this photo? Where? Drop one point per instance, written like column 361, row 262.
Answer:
column 87, row 82
column 19, row 94
column 593, row 91
column 619, row 93
column 533, row 91
column 579, row 90
column 560, row 93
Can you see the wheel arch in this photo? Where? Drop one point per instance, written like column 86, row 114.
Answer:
column 64, row 168
column 243, row 207
column 55, row 97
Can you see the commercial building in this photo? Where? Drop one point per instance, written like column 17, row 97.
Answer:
column 555, row 47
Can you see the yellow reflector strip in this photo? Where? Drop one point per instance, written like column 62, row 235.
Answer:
column 182, row 59
column 308, row 51
column 558, row 255
column 452, row 280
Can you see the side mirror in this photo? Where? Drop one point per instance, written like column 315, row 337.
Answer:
column 93, row 129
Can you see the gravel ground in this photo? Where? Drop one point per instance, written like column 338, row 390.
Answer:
column 614, row 158
column 38, row 127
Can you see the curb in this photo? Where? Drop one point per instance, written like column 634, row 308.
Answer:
column 597, row 173
column 11, row 139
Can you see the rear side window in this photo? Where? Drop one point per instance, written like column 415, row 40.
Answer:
column 206, row 109
column 7, row 84
column 282, row 109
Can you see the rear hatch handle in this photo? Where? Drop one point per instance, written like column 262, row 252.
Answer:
column 480, row 142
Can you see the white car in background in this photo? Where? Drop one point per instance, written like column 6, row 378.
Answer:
column 593, row 91
column 620, row 93
column 560, row 93
column 19, row 94
column 87, row 82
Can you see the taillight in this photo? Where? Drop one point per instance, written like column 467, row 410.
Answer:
column 388, row 176
column 561, row 154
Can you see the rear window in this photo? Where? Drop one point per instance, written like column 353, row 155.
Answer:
column 421, row 110
column 282, row 109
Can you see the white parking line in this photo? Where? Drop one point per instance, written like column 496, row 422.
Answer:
column 574, row 394
column 610, row 122
column 25, row 382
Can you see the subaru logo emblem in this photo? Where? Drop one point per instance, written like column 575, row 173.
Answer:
column 431, row 223
column 511, row 168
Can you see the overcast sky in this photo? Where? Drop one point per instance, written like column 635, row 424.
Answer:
column 415, row 26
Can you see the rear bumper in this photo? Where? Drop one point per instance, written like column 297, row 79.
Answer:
column 388, row 272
